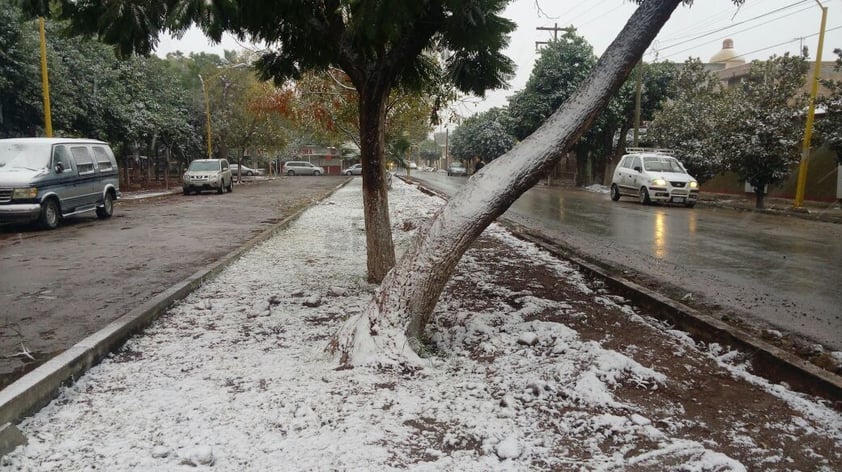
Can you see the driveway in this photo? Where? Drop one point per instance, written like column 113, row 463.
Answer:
column 60, row 286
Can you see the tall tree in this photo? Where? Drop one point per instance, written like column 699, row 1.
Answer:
column 481, row 136
column 404, row 303
column 377, row 44
column 692, row 123
column 760, row 143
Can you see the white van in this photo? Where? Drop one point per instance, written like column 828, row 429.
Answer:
column 47, row 179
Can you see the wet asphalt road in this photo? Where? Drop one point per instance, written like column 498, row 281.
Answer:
column 57, row 287
column 767, row 269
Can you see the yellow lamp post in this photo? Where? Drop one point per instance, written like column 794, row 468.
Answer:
column 45, row 81
column 811, row 112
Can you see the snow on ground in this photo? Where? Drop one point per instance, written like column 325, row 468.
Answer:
column 598, row 188
column 235, row 377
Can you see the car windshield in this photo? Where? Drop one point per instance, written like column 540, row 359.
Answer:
column 662, row 164
column 204, row 165
column 31, row 156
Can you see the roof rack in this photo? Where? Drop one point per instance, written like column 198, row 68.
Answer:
column 639, row 150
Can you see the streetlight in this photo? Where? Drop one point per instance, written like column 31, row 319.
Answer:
column 811, row 112
column 207, row 103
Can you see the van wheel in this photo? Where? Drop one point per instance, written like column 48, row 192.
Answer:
column 50, row 215
column 644, row 196
column 290, row 173
column 615, row 192
column 107, row 208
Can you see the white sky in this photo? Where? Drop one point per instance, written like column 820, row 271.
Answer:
column 236, row 375
column 757, row 28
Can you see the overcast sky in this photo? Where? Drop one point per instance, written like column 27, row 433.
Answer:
column 759, row 29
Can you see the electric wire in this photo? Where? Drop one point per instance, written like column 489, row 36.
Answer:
column 736, row 24
column 716, row 40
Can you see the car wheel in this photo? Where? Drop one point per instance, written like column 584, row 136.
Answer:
column 615, row 192
column 644, row 196
column 316, row 173
column 50, row 215
column 690, row 205
column 107, row 208
column 249, row 173
column 221, row 187
column 290, row 173
column 185, row 190
column 348, row 173
column 231, row 186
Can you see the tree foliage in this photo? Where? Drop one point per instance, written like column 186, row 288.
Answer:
column 691, row 123
column 829, row 127
column 481, row 136
column 760, row 143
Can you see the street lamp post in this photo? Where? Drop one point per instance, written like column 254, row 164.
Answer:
column 811, row 112
column 207, row 102
column 207, row 116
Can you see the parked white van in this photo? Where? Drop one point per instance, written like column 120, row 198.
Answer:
column 47, row 179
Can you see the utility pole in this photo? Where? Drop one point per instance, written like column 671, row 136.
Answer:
column 555, row 29
column 45, row 81
column 811, row 112
column 637, row 92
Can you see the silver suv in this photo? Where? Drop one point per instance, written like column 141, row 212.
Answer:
column 47, row 179
column 654, row 176
column 207, row 174
column 302, row 168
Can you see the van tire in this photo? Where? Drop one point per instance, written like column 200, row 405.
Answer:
column 50, row 214
column 107, row 208
column 290, row 173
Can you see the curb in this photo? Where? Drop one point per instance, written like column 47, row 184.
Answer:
column 769, row 361
column 37, row 388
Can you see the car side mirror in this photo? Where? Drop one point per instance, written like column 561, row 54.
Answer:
column 59, row 168
column 638, row 169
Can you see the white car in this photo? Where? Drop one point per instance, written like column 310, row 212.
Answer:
column 301, row 168
column 654, row 177
column 207, row 174
column 246, row 171
column 356, row 169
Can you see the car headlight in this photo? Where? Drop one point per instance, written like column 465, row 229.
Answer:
column 659, row 182
column 694, row 184
column 24, row 193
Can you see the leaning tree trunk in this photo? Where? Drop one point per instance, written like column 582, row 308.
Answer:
column 404, row 303
column 380, row 249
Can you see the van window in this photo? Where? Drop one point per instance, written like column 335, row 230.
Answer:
column 84, row 161
column 103, row 162
column 62, row 156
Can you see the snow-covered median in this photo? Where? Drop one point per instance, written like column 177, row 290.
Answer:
column 235, row 377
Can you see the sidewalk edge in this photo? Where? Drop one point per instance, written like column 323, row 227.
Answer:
column 37, row 388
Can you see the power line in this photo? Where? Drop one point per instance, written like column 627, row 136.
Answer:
column 733, row 33
column 737, row 24
column 704, row 23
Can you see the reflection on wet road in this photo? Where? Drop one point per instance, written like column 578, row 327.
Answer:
column 783, row 270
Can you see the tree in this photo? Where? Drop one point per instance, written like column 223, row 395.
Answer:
column 404, row 303
column 482, row 136
column 692, row 123
column 377, row 44
column 761, row 141
column 829, row 128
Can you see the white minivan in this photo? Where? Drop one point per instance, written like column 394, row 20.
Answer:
column 47, row 179
column 654, row 176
